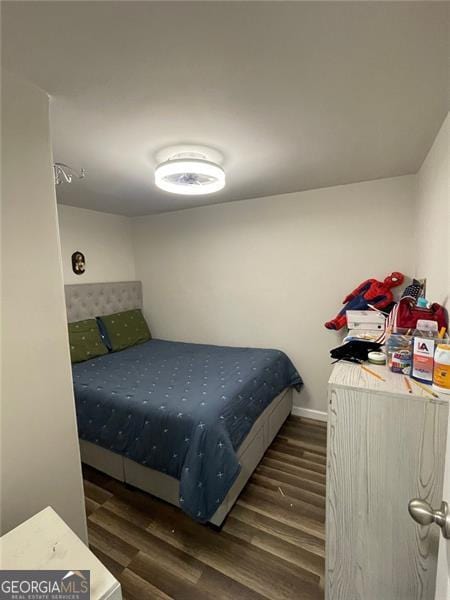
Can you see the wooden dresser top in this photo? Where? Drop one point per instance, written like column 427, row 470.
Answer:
column 351, row 375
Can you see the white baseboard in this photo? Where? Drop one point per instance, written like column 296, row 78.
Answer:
column 309, row 413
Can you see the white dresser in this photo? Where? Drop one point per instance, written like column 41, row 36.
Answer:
column 385, row 446
column 45, row 542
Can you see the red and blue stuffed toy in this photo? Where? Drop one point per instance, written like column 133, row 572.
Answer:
column 370, row 293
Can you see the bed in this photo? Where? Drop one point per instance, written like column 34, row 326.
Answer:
column 187, row 423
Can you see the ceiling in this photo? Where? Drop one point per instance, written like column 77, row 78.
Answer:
column 295, row 95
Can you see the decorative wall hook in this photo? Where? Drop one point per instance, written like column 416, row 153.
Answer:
column 64, row 173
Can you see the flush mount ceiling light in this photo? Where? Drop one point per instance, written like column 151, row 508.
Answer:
column 189, row 173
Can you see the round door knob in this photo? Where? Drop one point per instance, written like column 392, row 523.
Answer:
column 422, row 513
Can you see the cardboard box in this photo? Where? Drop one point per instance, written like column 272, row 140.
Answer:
column 369, row 320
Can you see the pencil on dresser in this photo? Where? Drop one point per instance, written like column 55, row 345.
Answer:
column 372, row 373
column 408, row 385
column 425, row 389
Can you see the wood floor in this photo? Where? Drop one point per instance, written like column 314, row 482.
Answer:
column 271, row 545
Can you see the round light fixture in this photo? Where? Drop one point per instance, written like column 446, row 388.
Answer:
column 190, row 174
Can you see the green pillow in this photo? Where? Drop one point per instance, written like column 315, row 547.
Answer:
column 126, row 329
column 85, row 341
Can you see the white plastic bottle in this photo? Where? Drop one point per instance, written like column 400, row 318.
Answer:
column 441, row 372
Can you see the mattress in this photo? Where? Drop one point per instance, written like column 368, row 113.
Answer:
column 181, row 409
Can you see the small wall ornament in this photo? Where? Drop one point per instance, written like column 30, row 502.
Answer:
column 78, row 263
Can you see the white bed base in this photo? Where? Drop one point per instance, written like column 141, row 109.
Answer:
column 165, row 487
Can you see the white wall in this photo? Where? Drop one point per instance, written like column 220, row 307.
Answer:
column 269, row 272
column 433, row 218
column 40, row 455
column 104, row 239
column 432, row 260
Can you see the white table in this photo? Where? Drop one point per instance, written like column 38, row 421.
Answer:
column 45, row 542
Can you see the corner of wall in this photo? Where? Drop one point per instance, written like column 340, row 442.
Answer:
column 36, row 368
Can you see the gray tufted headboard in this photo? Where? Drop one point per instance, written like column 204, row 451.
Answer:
column 89, row 300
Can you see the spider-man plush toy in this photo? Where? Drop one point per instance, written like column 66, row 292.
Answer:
column 373, row 292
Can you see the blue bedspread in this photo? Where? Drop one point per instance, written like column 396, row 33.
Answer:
column 182, row 409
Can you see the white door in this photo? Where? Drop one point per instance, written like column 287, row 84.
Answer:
column 443, row 570
column 424, row 514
